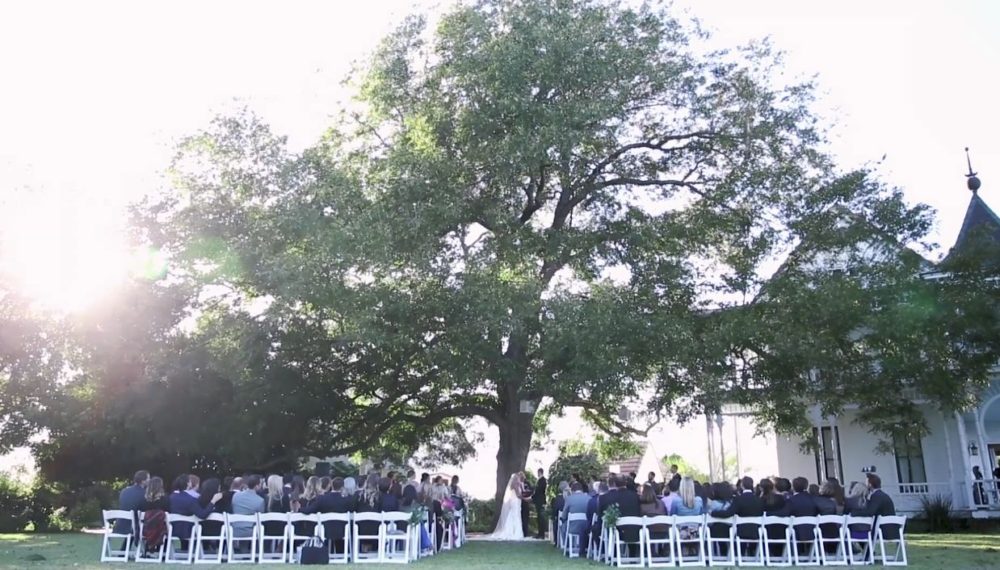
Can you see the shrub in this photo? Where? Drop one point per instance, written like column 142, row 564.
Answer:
column 481, row 515
column 936, row 510
column 586, row 465
column 15, row 505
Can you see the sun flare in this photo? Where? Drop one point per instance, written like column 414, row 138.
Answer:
column 64, row 254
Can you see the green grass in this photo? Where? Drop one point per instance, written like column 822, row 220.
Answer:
column 80, row 551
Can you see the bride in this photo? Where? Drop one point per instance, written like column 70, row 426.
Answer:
column 509, row 524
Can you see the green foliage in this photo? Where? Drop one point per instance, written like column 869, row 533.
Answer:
column 684, row 468
column 936, row 510
column 15, row 504
column 585, row 465
column 481, row 514
column 611, row 515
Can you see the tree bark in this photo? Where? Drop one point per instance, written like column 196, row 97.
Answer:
column 516, row 430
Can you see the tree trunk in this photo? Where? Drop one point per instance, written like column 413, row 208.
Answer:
column 515, row 442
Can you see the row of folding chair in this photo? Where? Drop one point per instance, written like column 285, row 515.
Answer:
column 830, row 540
column 275, row 538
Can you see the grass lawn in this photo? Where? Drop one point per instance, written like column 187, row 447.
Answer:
column 966, row 551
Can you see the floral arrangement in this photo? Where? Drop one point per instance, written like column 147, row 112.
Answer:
column 611, row 515
column 417, row 515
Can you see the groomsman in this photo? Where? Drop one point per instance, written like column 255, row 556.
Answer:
column 538, row 498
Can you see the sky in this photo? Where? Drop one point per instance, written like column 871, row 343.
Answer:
column 94, row 96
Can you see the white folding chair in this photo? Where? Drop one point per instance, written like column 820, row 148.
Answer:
column 721, row 550
column 689, row 536
column 447, row 534
column 777, row 541
column 432, row 533
column 300, row 529
column 327, row 528
column 750, row 550
column 459, row 528
column 367, row 557
column 660, row 551
column 892, row 526
column 594, row 544
column 204, row 536
column 394, row 537
column 628, row 561
column 241, row 533
column 860, row 548
column 108, row 552
column 571, row 540
column 805, row 541
column 832, row 540
column 180, row 554
column 272, row 535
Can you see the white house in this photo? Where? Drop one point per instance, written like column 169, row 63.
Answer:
column 938, row 464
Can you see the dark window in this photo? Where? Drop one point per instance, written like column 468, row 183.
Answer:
column 828, row 457
column 909, row 463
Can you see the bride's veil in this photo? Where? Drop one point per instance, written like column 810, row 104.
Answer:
column 511, row 499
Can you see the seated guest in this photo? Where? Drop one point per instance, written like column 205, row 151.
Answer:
column 194, row 482
column 183, row 503
column 388, row 503
column 745, row 504
column 350, row 487
column 690, row 504
column 800, row 504
column 209, row 487
column 247, row 502
column 311, row 491
column 879, row 505
column 577, row 502
column 369, row 502
column 275, row 492
column 722, row 495
column 835, row 492
column 556, row 508
column 813, row 488
column 155, row 505
column 651, row 506
column 783, row 487
column 129, row 500
column 592, row 506
column 855, row 501
column 773, row 501
column 671, row 496
column 226, row 504
column 824, row 502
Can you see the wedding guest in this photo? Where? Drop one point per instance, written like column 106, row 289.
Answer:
column 183, row 503
column 556, row 508
column 722, row 496
column 745, row 504
column 773, row 501
column 671, row 497
column 783, row 487
column 369, row 502
column 651, row 480
column 388, row 502
column 155, row 497
column 247, row 501
column 275, row 494
column 575, row 502
column 832, row 490
column 129, row 500
column 312, row 490
column 651, row 506
column 690, row 504
column 350, row 487
column 226, row 488
column 675, row 475
column 193, row 483
column 411, row 479
column 813, row 489
column 592, row 506
column 855, row 501
column 824, row 501
column 154, row 505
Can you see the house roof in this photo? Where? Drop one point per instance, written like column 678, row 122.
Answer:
column 980, row 222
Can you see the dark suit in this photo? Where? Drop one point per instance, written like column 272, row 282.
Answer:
column 595, row 527
column 538, row 498
column 879, row 505
column 129, row 500
column 527, row 493
column 800, row 505
column 332, row 502
column 184, row 504
column 628, row 506
column 746, row 504
column 825, row 505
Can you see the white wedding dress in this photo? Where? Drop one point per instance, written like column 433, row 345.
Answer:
column 509, row 524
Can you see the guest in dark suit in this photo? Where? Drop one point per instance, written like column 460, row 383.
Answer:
column 675, row 476
column 182, row 503
column 129, row 500
column 538, row 498
column 333, row 501
column 879, row 505
column 773, row 501
column 628, row 506
column 651, row 480
column 745, row 504
column 592, row 506
column 800, row 504
column 388, row 503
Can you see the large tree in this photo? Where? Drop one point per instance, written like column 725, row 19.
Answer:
column 527, row 204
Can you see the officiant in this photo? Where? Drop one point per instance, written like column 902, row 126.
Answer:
column 526, row 504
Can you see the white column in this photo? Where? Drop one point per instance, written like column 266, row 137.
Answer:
column 722, row 449
column 951, row 456
column 709, row 431
column 963, row 440
column 835, row 442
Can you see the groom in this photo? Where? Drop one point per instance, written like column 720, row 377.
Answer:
column 538, row 498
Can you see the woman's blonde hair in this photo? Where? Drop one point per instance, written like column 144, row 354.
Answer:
column 275, row 489
column 687, row 492
column 313, row 489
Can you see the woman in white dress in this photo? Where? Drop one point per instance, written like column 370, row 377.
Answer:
column 509, row 524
